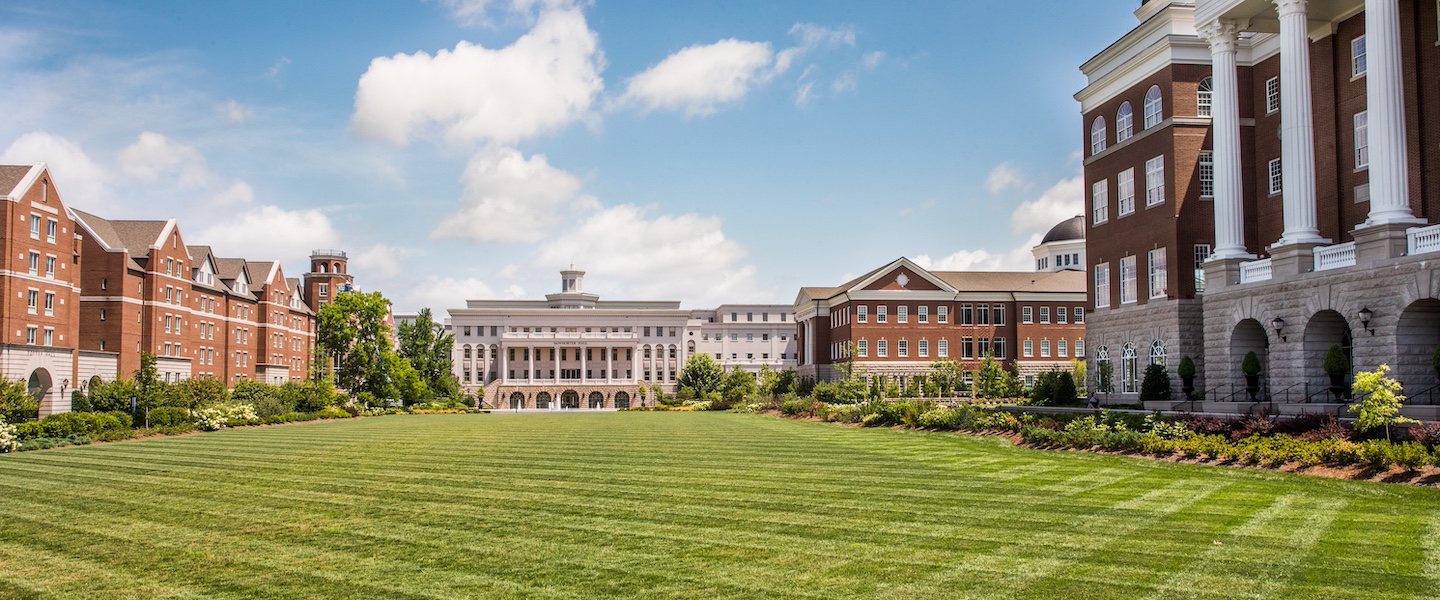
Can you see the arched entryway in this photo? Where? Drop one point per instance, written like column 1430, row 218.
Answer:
column 597, row 400
column 517, row 400
column 1416, row 335
column 40, row 383
column 1327, row 328
column 1248, row 336
column 622, row 400
column 542, row 400
column 569, row 399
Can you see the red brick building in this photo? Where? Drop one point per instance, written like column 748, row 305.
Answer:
column 900, row 319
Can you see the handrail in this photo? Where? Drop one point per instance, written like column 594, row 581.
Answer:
column 1286, row 391
column 1427, row 392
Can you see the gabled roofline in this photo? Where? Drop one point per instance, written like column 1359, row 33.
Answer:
column 75, row 216
column 902, row 262
column 14, row 195
column 164, row 233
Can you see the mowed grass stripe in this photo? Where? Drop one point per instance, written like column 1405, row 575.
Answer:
column 678, row 505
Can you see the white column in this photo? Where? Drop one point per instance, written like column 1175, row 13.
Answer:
column 1223, row 36
column 1385, row 99
column 557, row 364
column 1297, row 127
column 504, row 365
column 530, row 364
column 582, row 351
column 609, row 364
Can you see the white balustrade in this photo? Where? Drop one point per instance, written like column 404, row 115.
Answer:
column 1255, row 270
column 1334, row 256
column 1423, row 239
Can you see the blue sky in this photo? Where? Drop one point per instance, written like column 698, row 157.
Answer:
column 703, row 152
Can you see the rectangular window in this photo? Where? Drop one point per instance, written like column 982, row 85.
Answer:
column 749, row 317
column 1102, row 285
column 1100, row 200
column 30, row 335
column 1207, row 174
column 1155, row 181
column 902, row 314
column 1027, row 349
column 1062, row 349
column 1362, row 140
column 862, row 348
column 1127, row 280
column 1044, row 315
column 943, row 349
column 1159, row 278
column 34, row 302
column 982, row 314
column 942, row 314
column 999, row 346
column 1080, row 348
column 49, row 304
column 924, row 314
column 1272, row 95
column 1357, row 57
column 1276, row 177
column 49, row 337
column 1202, row 254
column 1027, row 315
column 999, row 314
column 1125, row 186
column 1080, row 314
column 967, row 314
column 881, row 349
column 1044, row 348
column 34, row 227
column 983, row 346
column 734, row 337
column 34, row 263
column 967, row 347
column 1062, row 315
column 880, row 313
column 860, row 314
column 924, row 348
column 903, row 349
column 324, row 290
column 50, row 230
column 49, row 267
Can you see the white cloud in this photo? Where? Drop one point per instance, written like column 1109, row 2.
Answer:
column 509, row 198
column 1005, row 176
column 440, row 294
column 80, row 180
column 268, row 233
column 546, row 79
column 467, row 12
column 154, row 156
column 872, row 60
column 276, row 69
column 1062, row 201
column 812, row 37
column 685, row 257
column 233, row 111
column 699, row 79
column 381, row 261
column 1017, row 259
column 238, row 193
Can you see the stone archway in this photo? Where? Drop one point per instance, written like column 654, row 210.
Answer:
column 1416, row 335
column 622, row 400
column 39, row 385
column 1248, row 336
column 542, row 400
column 569, row 399
column 1327, row 328
column 596, row 400
column 517, row 400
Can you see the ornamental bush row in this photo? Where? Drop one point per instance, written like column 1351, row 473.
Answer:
column 1265, row 450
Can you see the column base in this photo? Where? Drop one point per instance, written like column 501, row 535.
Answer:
column 1381, row 241
column 1222, row 273
column 1293, row 260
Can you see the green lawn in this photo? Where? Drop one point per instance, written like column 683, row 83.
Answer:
column 695, row 505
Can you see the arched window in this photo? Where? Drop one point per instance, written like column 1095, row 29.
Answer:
column 1157, row 353
column 1103, row 373
column 1124, row 123
column 1097, row 136
column 622, row 400
column 1153, row 112
column 1128, row 373
column 1203, row 97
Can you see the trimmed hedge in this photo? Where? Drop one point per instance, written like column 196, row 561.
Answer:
column 64, row 425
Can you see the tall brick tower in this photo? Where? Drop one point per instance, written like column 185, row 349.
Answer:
column 327, row 277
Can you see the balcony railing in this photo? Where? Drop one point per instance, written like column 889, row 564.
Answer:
column 1334, row 257
column 569, row 335
column 1423, row 239
column 327, row 252
column 1255, row 270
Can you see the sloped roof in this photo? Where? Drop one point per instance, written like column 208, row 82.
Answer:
column 821, row 293
column 997, row 281
column 134, row 236
column 260, row 270
column 108, row 236
column 11, row 176
column 1069, row 229
column 230, row 268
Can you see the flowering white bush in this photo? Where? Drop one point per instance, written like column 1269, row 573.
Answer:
column 218, row 417
column 8, row 443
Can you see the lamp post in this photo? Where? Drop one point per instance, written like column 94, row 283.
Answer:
column 1365, row 315
column 1278, row 324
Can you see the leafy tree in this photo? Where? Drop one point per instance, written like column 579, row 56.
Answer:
column 1156, row 384
column 428, row 348
column 1105, row 377
column 702, row 374
column 947, row 376
column 352, row 329
column 767, row 379
column 194, row 393
column 1077, row 373
column 149, row 390
column 404, row 381
column 738, row 384
column 253, row 392
column 1380, row 401
column 995, row 381
column 1054, row 388
column 108, row 396
column 17, row 405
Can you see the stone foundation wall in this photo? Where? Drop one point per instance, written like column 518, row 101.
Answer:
column 1177, row 323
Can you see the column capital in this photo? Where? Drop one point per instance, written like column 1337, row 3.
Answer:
column 1223, row 36
column 1289, row 7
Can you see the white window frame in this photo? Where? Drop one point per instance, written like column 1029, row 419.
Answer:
column 882, row 349
column 1079, row 316
column 51, row 226
column 862, row 348
column 1100, row 200
column 1044, row 315
column 880, row 313
column 1124, row 122
column 1155, row 181
column 1128, row 283
column 1359, row 64
column 1062, row 315
column 943, row 349
column 902, row 314
column 1154, row 106
column 924, row 348
column 1159, row 273
column 1027, row 315
column 1202, row 254
column 923, row 314
column 1206, row 171
column 1044, row 348
column 1062, row 349
column 861, row 315
column 33, row 301
column 34, row 227
column 1097, row 136
column 49, row 304
column 1102, row 285
column 1205, row 97
column 942, row 314
column 1272, row 95
column 1362, row 140
column 1125, row 190
column 1276, row 176
column 1027, row 348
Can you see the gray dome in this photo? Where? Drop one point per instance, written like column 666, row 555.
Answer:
column 1069, row 229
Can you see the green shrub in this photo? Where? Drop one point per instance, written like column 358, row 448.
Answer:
column 873, row 420
column 78, row 402
column 798, row 407
column 67, row 424
column 270, row 405
column 331, row 412
column 1411, row 455
column 1186, row 368
column 1335, row 361
column 16, row 403
column 1156, row 384
column 168, row 416
column 1250, row 365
